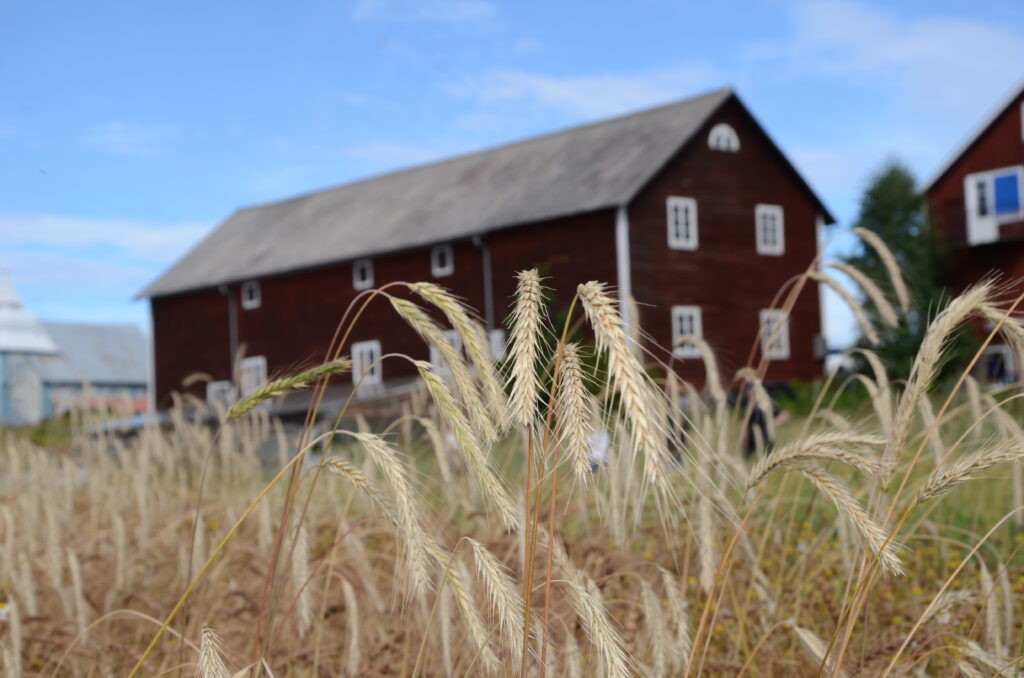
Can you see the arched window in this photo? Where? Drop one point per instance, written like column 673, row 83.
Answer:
column 723, row 138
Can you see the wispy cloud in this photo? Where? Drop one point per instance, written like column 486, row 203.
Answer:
column 586, row 96
column 438, row 11
column 935, row 64
column 131, row 138
column 88, row 269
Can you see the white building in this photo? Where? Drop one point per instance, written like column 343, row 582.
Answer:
column 49, row 368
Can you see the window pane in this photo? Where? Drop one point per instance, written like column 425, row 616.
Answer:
column 1007, row 193
column 982, row 198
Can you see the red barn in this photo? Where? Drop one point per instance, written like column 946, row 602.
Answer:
column 690, row 208
column 975, row 202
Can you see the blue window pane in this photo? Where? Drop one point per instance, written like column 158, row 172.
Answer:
column 1007, row 193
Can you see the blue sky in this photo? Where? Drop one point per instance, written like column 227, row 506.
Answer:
column 129, row 129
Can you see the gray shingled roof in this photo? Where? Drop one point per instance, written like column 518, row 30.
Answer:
column 570, row 172
column 97, row 354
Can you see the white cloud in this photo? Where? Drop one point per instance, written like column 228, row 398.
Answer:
column 586, row 96
column 438, row 11
column 135, row 239
column 130, row 138
column 72, row 268
column 936, row 64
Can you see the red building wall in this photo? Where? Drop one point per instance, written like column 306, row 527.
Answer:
column 1000, row 145
column 299, row 311
column 725, row 276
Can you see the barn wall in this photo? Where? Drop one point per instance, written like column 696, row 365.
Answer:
column 299, row 312
column 1001, row 145
column 725, row 275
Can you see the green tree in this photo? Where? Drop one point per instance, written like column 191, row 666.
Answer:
column 892, row 208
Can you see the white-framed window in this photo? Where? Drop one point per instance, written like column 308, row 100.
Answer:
column 774, row 334
column 442, row 261
column 770, row 229
column 251, row 295
column 252, row 373
column 220, row 393
column 366, row 365
column 362, row 274
column 437, row 359
column 992, row 198
column 682, row 223
column 496, row 339
column 723, row 137
column 686, row 321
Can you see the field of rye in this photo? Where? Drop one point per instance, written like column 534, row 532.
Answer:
column 474, row 535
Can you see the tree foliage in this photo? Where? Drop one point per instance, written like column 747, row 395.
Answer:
column 892, row 208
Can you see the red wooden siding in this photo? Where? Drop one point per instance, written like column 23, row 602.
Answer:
column 725, row 276
column 1000, row 145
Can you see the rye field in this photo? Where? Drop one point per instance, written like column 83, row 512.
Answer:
column 571, row 511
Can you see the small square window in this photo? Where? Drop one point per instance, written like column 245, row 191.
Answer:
column 251, row 295
column 362, row 274
column 220, row 393
column 682, row 223
column 366, row 368
column 686, row 321
column 442, row 261
column 437, row 359
column 770, row 230
column 774, row 334
column 252, row 374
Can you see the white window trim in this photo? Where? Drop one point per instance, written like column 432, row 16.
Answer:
column 689, row 204
column 437, row 360
column 247, row 383
column 365, row 281
column 686, row 350
column 251, row 295
column 779, row 349
column 983, row 229
column 220, row 392
column 366, row 361
column 437, row 270
column 730, row 141
column 779, row 248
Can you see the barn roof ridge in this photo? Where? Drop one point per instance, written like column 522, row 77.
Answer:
column 976, row 133
column 576, row 170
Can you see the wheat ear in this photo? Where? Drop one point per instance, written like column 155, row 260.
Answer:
column 824, row 447
column 817, row 649
column 927, row 362
column 503, row 593
column 641, row 405
column 300, row 585
column 873, row 292
column 526, row 332
column 683, row 642
column 658, row 637
column 891, row 266
column 858, row 311
column 469, row 445
column 462, row 378
column 943, row 479
column 353, row 656
column 283, row 385
column 210, row 664
column 414, row 537
column 993, row 627
column 712, row 375
column 874, row 536
column 574, row 403
column 474, row 340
